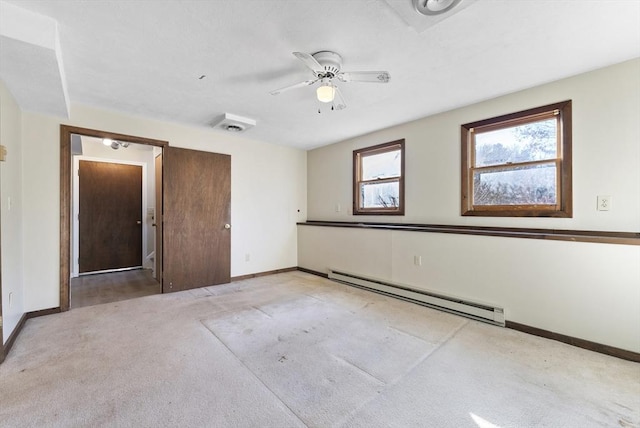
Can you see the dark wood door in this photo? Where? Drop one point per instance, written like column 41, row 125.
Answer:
column 197, row 216
column 110, row 217
column 158, row 218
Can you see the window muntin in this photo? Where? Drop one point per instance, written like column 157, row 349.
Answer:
column 518, row 164
column 378, row 182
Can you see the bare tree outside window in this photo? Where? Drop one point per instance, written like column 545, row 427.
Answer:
column 518, row 164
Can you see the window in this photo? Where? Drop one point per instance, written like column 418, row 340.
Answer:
column 519, row 164
column 378, row 179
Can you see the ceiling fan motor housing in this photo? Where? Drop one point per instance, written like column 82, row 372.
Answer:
column 331, row 61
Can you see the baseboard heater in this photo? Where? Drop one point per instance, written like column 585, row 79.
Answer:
column 474, row 310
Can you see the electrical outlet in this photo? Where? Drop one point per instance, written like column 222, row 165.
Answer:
column 338, row 208
column 247, row 257
column 417, row 260
column 604, row 203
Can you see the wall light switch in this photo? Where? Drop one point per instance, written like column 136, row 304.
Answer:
column 604, row 203
column 3, row 153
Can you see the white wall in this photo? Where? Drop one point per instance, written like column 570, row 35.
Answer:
column 11, row 216
column 268, row 186
column 585, row 290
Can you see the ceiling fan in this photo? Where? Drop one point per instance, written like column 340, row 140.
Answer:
column 327, row 69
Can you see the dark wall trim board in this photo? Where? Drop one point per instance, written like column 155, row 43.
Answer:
column 259, row 274
column 43, row 312
column 23, row 319
column 603, row 237
column 14, row 335
column 580, row 343
column 313, row 272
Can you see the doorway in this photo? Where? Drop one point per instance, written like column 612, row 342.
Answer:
column 192, row 220
column 96, row 239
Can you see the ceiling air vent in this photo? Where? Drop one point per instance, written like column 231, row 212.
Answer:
column 434, row 7
column 424, row 14
column 232, row 123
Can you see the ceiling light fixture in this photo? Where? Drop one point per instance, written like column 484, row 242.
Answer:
column 115, row 145
column 326, row 93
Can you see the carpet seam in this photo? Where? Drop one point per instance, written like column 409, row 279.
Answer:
column 359, row 368
column 255, row 375
column 410, row 335
column 261, row 311
column 399, row 378
column 439, row 346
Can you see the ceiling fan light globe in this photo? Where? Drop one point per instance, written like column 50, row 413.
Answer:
column 326, row 93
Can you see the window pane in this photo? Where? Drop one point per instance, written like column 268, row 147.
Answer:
column 532, row 185
column 383, row 165
column 522, row 143
column 380, row 195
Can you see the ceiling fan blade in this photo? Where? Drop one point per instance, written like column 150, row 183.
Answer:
column 338, row 100
column 365, row 76
column 309, row 61
column 297, row 85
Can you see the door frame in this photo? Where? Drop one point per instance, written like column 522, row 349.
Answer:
column 75, row 232
column 65, row 195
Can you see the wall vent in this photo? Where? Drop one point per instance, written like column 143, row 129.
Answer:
column 477, row 311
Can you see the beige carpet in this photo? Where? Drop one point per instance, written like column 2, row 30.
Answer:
column 293, row 350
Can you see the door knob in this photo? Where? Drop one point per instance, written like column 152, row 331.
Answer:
column 139, row 222
column 227, row 226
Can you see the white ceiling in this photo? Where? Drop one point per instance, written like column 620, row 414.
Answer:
column 145, row 57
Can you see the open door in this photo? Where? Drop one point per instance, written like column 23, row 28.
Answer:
column 158, row 218
column 197, row 216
